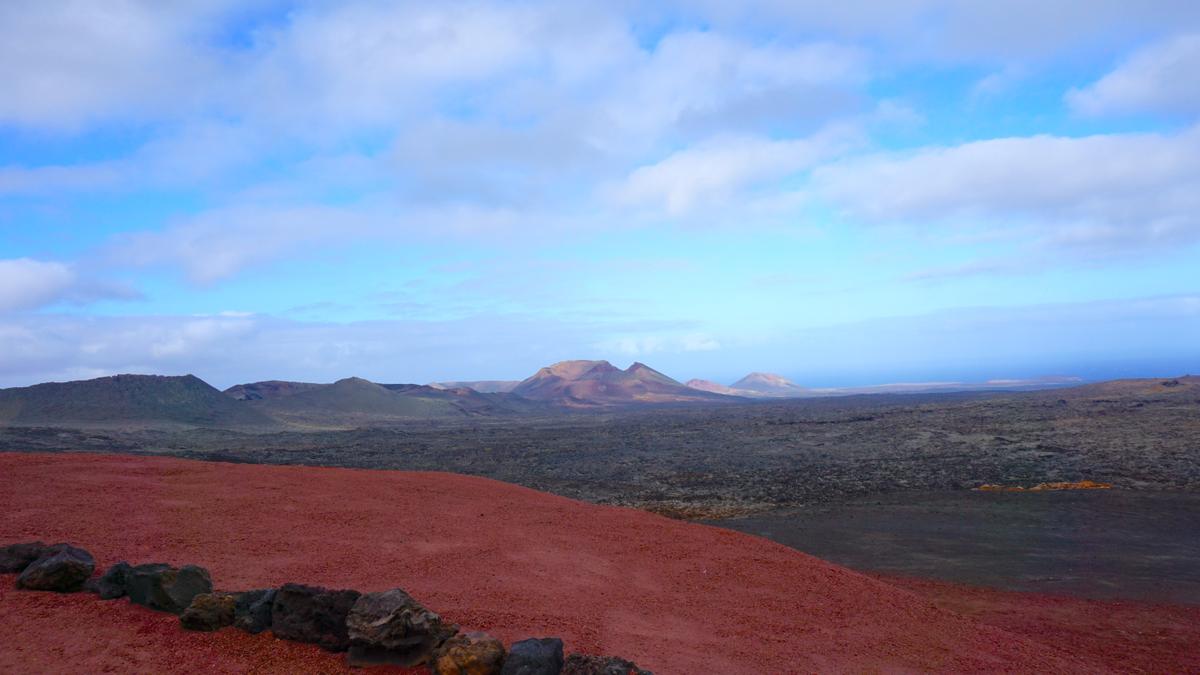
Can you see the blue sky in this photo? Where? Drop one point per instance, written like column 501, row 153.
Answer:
column 863, row 193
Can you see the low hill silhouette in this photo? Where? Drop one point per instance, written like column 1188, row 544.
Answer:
column 481, row 386
column 353, row 401
column 127, row 400
column 769, row 384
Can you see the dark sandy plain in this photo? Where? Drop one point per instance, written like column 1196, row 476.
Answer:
column 737, row 460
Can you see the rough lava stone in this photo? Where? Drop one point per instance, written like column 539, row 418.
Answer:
column 165, row 588
column 313, row 614
column 62, row 568
column 585, row 664
column 392, row 628
column 14, row 558
column 113, row 583
column 535, row 656
column 252, row 610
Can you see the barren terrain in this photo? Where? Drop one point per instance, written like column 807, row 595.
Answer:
column 742, row 459
column 675, row 597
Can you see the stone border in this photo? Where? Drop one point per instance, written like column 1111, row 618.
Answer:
column 383, row 628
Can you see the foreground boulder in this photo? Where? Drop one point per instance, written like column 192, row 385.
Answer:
column 312, row 614
column 14, row 558
column 470, row 654
column 535, row 656
column 113, row 584
column 209, row 611
column 165, row 588
column 394, row 629
column 584, row 664
column 252, row 610
column 62, row 568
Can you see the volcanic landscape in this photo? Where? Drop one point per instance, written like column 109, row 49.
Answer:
column 627, row 514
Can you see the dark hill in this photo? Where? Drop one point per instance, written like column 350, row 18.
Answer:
column 582, row 384
column 354, row 401
column 127, row 400
column 256, row 391
column 470, row 401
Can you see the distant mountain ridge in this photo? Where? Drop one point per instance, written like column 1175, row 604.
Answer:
column 353, row 401
column 174, row 401
column 481, row 386
column 584, row 384
column 769, row 384
column 754, row 385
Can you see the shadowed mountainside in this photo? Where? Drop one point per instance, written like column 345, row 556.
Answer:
column 256, row 391
column 353, row 401
column 128, row 400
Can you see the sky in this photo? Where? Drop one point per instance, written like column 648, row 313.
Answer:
column 843, row 193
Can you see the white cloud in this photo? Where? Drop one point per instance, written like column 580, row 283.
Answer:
column 56, row 179
column 369, row 62
column 29, row 284
column 1156, row 334
column 998, row 83
column 216, row 244
column 225, row 350
column 706, row 79
column 193, row 156
column 645, row 345
column 1163, row 78
column 713, row 172
column 68, row 63
column 1097, row 194
column 26, row 284
column 953, row 30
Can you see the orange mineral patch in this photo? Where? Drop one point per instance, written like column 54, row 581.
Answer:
column 1044, row 487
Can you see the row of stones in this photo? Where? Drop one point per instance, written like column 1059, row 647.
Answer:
column 388, row 627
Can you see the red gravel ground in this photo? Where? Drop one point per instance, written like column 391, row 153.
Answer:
column 674, row 597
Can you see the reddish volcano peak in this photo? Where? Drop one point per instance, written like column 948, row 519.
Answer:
column 573, row 370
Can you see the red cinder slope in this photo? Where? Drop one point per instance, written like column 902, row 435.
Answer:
column 674, row 597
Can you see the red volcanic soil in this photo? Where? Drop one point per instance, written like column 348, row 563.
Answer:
column 674, row 597
column 1129, row 636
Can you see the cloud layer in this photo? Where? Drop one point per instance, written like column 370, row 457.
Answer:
column 675, row 179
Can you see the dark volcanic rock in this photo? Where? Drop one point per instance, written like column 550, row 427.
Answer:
column 470, row 654
column 165, row 588
column 209, row 611
column 535, row 656
column 14, row 558
column 312, row 614
column 584, row 664
column 252, row 611
column 113, row 584
column 62, row 568
column 392, row 628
